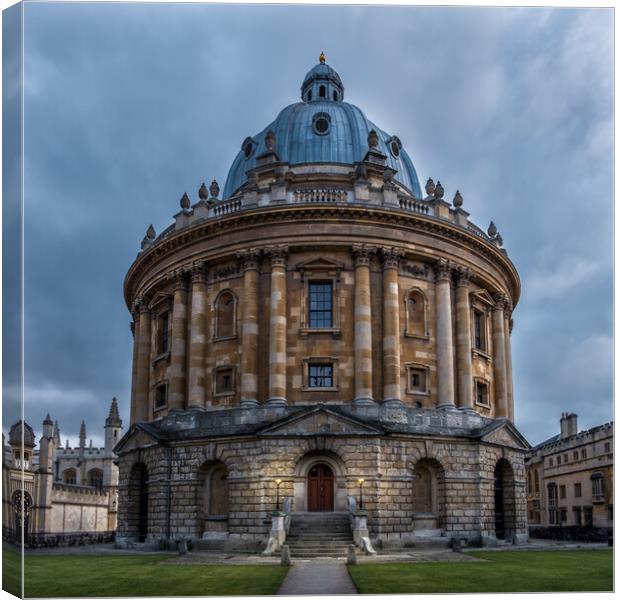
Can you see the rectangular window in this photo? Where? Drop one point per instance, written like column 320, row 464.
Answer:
column 597, row 487
column 558, row 460
column 482, row 393
column 551, row 462
column 320, row 375
column 417, row 380
column 566, row 458
column 162, row 333
column 536, row 482
column 562, row 491
column 587, row 516
column 562, row 515
column 321, row 305
column 552, row 495
column 160, row 396
column 575, row 455
column 479, row 337
column 577, row 515
column 607, row 447
column 584, row 453
column 224, row 381
column 578, row 490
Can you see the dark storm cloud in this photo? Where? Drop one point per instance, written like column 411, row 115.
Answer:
column 128, row 106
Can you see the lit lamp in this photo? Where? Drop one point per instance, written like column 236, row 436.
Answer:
column 278, row 483
column 361, row 482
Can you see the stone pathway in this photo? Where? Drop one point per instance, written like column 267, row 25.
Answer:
column 317, row 577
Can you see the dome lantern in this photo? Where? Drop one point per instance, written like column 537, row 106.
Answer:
column 322, row 84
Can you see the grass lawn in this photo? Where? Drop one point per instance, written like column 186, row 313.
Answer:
column 135, row 575
column 533, row 571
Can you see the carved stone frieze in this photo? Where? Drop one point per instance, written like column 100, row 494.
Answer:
column 420, row 270
column 225, row 271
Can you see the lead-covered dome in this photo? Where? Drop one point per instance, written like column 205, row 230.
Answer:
column 322, row 129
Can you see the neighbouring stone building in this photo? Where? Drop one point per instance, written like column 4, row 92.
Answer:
column 570, row 481
column 60, row 495
column 326, row 329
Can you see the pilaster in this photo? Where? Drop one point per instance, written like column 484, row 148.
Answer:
column 197, row 336
column 445, row 350
column 463, row 339
column 178, row 353
column 277, row 326
column 499, row 356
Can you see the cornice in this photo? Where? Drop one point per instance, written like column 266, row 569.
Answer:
column 270, row 214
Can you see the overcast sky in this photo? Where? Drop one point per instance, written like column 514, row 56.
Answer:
column 129, row 105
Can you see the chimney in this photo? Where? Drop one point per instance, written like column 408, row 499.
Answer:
column 568, row 425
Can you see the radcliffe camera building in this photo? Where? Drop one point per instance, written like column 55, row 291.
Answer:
column 325, row 336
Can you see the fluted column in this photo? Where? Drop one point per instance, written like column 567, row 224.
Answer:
column 143, row 360
column 499, row 356
column 176, row 368
column 463, row 339
column 249, row 333
column 508, row 351
column 363, row 325
column 445, row 354
column 197, row 337
column 391, row 326
column 277, row 326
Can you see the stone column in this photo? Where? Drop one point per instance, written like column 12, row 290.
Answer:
column 249, row 333
column 445, row 354
column 391, row 326
column 277, row 326
column 143, row 360
column 197, row 337
column 499, row 356
column 363, row 325
column 135, row 327
column 463, row 339
column 508, row 351
column 176, row 368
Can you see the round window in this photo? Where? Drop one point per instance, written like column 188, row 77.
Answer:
column 321, row 123
column 395, row 146
column 248, row 147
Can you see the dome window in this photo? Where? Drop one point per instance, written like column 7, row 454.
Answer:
column 309, row 95
column 395, row 146
column 322, row 91
column 248, row 147
column 335, row 96
column 321, row 123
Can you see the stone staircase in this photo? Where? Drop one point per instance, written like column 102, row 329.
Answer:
column 318, row 534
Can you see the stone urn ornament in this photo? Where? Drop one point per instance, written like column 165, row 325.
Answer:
column 492, row 230
column 458, row 200
column 430, row 187
column 373, row 139
column 203, row 192
column 438, row 193
column 185, row 203
column 214, row 188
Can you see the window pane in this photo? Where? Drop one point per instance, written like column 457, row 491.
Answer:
column 320, row 305
column 320, row 375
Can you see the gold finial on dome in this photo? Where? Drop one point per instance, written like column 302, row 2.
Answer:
column 322, row 58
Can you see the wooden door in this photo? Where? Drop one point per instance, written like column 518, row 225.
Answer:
column 320, row 489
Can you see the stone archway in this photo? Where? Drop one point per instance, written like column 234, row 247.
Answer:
column 504, row 500
column 213, row 499
column 316, row 469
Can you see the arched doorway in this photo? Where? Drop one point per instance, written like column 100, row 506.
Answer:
column 138, row 509
column 504, row 496
column 214, row 499
column 320, row 488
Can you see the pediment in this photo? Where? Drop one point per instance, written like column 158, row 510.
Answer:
column 160, row 298
column 135, row 438
column 505, row 434
column 319, row 421
column 483, row 296
column 320, row 263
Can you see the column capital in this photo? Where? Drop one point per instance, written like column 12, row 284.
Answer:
column 391, row 257
column 501, row 300
column 362, row 253
column 463, row 275
column 141, row 305
column 443, row 270
column 249, row 259
column 178, row 277
column 277, row 255
column 198, row 271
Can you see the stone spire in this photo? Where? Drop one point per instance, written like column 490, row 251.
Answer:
column 83, row 435
column 48, row 427
column 114, row 419
column 57, row 434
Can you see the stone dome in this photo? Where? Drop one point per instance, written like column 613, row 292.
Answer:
column 322, row 129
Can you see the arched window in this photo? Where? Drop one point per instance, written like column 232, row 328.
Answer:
column 335, row 96
column 309, row 95
column 322, row 91
column 225, row 315
column 69, row 476
column 95, row 478
column 415, row 320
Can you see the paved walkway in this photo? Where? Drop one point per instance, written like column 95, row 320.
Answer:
column 317, row 577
